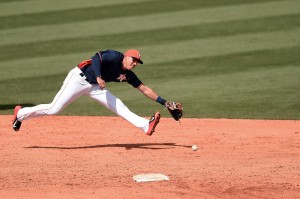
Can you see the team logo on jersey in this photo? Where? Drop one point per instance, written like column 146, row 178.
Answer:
column 122, row 78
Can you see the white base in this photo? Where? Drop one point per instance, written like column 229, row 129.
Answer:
column 150, row 177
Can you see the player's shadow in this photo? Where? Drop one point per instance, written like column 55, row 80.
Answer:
column 152, row 146
column 12, row 106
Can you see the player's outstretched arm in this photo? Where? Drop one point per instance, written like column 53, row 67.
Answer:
column 148, row 92
column 175, row 108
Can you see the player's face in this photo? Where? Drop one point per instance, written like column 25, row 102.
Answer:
column 129, row 63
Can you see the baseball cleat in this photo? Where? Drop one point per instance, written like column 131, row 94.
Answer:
column 16, row 124
column 154, row 120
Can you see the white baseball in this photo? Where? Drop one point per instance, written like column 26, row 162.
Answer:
column 194, row 147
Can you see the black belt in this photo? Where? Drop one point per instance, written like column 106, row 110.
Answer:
column 82, row 75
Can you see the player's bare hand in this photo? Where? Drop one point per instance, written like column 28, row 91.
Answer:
column 101, row 82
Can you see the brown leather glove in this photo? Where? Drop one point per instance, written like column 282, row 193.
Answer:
column 175, row 109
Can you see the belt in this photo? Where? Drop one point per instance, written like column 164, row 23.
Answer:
column 82, row 75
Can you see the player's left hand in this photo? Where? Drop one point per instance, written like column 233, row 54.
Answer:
column 175, row 109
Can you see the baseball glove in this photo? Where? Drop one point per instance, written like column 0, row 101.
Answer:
column 175, row 109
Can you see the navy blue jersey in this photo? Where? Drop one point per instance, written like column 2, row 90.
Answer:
column 108, row 65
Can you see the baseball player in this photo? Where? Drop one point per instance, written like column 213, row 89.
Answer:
column 89, row 78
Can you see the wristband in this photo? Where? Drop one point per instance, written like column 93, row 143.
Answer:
column 161, row 100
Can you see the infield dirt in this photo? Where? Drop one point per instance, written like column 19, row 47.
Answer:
column 96, row 157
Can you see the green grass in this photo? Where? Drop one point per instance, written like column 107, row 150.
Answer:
column 104, row 12
column 164, row 35
column 221, row 59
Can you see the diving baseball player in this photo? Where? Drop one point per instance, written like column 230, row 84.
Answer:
column 89, row 78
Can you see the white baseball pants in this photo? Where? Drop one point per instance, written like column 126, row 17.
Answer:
column 75, row 86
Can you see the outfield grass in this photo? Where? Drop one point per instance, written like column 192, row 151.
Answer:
column 221, row 59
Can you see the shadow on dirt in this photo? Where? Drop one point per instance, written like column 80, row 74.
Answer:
column 152, row 146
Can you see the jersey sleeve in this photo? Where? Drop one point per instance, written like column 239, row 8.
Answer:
column 133, row 80
column 96, row 64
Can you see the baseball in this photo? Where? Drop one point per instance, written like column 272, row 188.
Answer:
column 194, row 148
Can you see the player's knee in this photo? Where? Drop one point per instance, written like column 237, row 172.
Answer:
column 55, row 110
